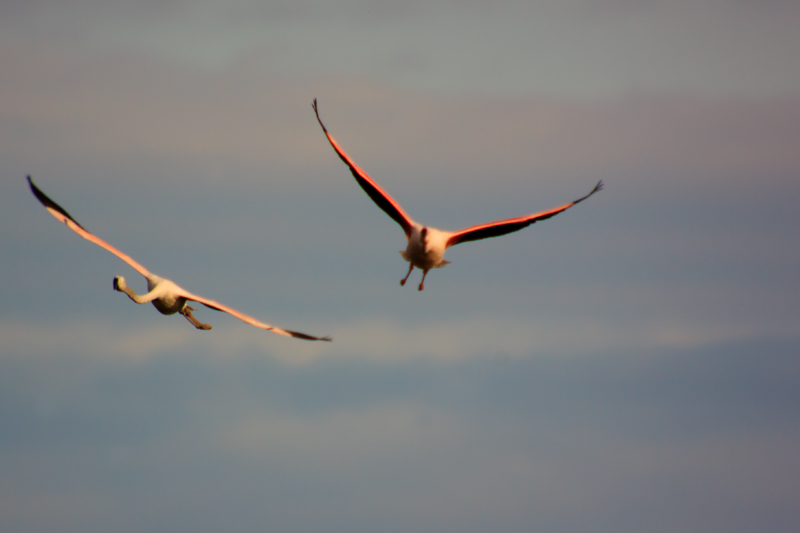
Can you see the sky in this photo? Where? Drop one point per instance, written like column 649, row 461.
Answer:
column 632, row 364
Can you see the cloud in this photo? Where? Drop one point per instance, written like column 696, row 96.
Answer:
column 93, row 338
column 396, row 340
column 340, row 437
column 581, row 48
column 126, row 110
column 629, row 365
column 628, row 438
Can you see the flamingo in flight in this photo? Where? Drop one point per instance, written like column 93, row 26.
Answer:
column 165, row 295
column 427, row 245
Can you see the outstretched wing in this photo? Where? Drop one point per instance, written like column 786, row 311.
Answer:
column 250, row 320
column 59, row 212
column 501, row 227
column 373, row 190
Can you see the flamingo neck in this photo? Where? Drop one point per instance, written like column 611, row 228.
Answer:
column 141, row 299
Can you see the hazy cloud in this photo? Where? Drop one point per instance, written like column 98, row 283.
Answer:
column 628, row 365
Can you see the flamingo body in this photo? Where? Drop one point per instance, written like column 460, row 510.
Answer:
column 426, row 247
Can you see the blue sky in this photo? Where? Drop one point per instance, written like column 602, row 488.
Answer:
column 629, row 365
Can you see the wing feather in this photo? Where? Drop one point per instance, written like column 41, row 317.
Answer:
column 60, row 214
column 250, row 320
column 502, row 227
column 373, row 190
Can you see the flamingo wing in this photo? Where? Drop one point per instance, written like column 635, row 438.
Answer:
column 373, row 190
column 501, row 227
column 60, row 214
column 248, row 319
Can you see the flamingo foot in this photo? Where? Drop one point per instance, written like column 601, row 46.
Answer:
column 403, row 281
column 187, row 312
column 421, row 283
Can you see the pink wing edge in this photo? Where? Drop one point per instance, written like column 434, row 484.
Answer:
column 61, row 215
column 248, row 319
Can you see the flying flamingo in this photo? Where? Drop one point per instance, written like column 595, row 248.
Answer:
column 165, row 295
column 426, row 245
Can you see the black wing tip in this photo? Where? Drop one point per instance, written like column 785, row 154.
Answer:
column 316, row 112
column 37, row 192
column 47, row 202
column 598, row 187
column 298, row 335
column 33, row 186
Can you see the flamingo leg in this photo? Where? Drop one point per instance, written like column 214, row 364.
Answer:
column 410, row 268
column 187, row 312
column 421, row 283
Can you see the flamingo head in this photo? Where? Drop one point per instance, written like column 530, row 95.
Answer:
column 120, row 284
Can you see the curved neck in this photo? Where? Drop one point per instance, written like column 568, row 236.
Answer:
column 143, row 299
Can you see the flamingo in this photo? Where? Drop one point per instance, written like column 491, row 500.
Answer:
column 164, row 294
column 426, row 244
